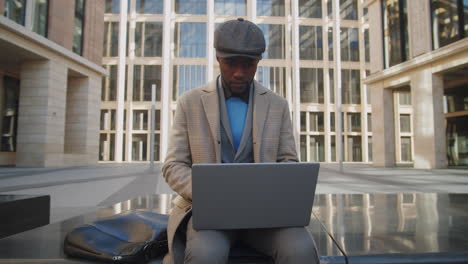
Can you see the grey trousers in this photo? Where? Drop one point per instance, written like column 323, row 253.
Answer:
column 286, row 245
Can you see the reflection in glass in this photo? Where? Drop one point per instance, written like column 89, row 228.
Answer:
column 111, row 39
column 190, row 39
column 148, row 39
column 317, row 148
column 351, row 86
column 447, row 24
column 369, row 148
column 404, row 97
column 149, row 6
column 331, row 81
column 406, row 154
column 405, row 123
column 40, row 13
column 310, row 43
column 310, row 8
column 270, row 7
column 303, row 121
column 140, row 120
column 303, row 148
column 311, row 85
column 354, row 122
column 109, row 87
column 194, row 7
column 330, row 43
column 457, row 140
column 349, row 44
column 113, row 6
column 332, row 121
column 9, row 121
column 186, row 77
column 275, row 41
column 139, row 147
column 316, row 121
column 369, row 122
column 78, row 29
column 16, row 10
column 366, row 45
column 354, row 152
column 396, row 48
column 144, row 76
column 230, row 7
column 273, row 78
column 332, row 147
column 348, row 9
column 106, row 147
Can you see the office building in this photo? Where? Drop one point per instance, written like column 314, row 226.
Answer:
column 50, row 79
column 419, row 78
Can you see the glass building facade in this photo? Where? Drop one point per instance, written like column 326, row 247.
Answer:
column 169, row 44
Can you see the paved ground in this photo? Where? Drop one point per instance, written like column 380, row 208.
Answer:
column 76, row 190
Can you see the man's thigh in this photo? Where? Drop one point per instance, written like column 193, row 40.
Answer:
column 293, row 244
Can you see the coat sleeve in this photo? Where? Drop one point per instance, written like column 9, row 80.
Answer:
column 177, row 168
column 287, row 145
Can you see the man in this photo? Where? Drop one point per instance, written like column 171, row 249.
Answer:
column 232, row 119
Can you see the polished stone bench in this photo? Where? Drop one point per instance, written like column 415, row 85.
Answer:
column 354, row 228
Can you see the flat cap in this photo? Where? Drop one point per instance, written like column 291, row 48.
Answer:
column 239, row 37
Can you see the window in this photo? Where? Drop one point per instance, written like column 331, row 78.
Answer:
column 40, row 13
column 111, row 39
column 10, row 91
column 366, row 45
column 230, row 7
column 316, row 121
column 16, row 10
column 273, row 78
column 303, row 148
column 148, row 39
column 395, row 33
column 190, row 39
column 303, row 121
column 194, row 7
column 349, row 44
column 109, row 87
column 351, row 87
column 369, row 122
column 404, row 97
column 332, row 121
column 113, row 6
column 354, row 122
column 348, row 9
column 310, row 43
column 186, row 77
column 108, row 119
column 449, row 21
column 79, row 27
column 144, row 76
column 331, row 81
column 406, row 154
column 405, row 123
column 330, row 43
column 310, row 8
column 311, row 85
column 275, row 41
column 140, row 120
column 317, row 148
column 368, row 93
column 139, row 147
column 369, row 148
column 270, row 8
column 149, row 6
column 354, row 152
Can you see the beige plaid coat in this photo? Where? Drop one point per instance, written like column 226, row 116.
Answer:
column 195, row 138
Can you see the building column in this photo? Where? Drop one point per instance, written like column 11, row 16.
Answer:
column 61, row 22
column 41, row 119
column 82, row 120
column 427, row 91
column 383, row 126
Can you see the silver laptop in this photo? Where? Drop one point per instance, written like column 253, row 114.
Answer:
column 252, row 195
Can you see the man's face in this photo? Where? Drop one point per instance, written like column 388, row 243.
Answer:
column 237, row 72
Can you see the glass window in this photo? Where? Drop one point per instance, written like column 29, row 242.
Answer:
column 273, row 78
column 330, row 8
column 396, row 46
column 157, row 120
column 40, row 15
column 354, row 152
column 16, row 10
column 348, row 9
column 365, row 14
column 190, row 39
column 139, row 147
column 332, row 121
column 317, row 148
column 310, row 43
column 9, row 121
column 354, row 122
column 303, row 148
column 275, row 41
column 108, row 119
column 113, row 6
column 369, row 122
column 366, row 45
column 331, row 80
column 330, row 43
column 111, row 39
column 311, row 85
column 456, row 99
column 368, row 93
column 316, row 121
column 109, row 87
column 140, row 120
column 349, row 44
column 303, row 121
column 157, row 145
column 332, row 148
column 106, row 147
column 194, row 7
column 351, row 87
column 144, row 76
column 404, row 97
column 148, row 39
column 270, row 7
column 149, row 6
column 369, row 148
column 405, row 123
column 230, row 7
column 78, row 30
column 448, row 25
column 405, row 143
column 310, row 8
column 186, row 77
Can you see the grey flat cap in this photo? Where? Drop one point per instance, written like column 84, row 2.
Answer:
column 239, row 38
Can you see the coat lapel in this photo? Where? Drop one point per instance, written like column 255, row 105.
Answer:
column 261, row 105
column 211, row 107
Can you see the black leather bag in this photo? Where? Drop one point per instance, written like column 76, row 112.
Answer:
column 134, row 237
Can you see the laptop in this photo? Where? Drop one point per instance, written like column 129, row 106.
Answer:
column 252, row 195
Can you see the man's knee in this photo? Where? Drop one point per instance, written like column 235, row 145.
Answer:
column 205, row 253
column 297, row 247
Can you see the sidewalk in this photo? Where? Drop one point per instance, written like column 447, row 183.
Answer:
column 77, row 190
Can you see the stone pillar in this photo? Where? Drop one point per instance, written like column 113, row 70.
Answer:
column 61, row 22
column 93, row 31
column 375, row 37
column 427, row 91
column 383, row 126
column 419, row 17
column 41, row 120
column 82, row 121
